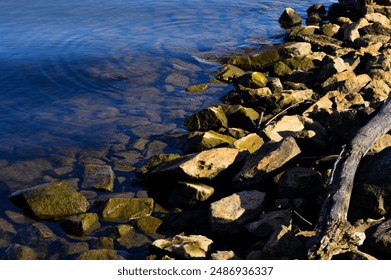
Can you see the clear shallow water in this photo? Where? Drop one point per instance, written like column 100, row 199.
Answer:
column 105, row 79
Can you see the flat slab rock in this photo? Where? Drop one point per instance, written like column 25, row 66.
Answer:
column 126, row 209
column 230, row 214
column 51, row 200
column 204, row 165
column 268, row 159
column 99, row 177
column 188, row 247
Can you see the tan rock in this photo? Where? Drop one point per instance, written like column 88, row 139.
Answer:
column 252, row 142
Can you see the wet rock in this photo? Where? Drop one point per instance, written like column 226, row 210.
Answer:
column 99, row 177
column 380, row 237
column 289, row 18
column 197, row 88
column 251, row 143
column 211, row 118
column 6, row 227
column 284, row 128
column 189, row 194
column 269, row 223
column 204, row 165
column 229, row 215
column 313, row 19
column 149, row 225
column 242, row 117
column 51, row 201
column 229, row 73
column 105, row 243
column 188, row 247
column 200, row 141
column 81, row 225
column 43, row 231
column 300, row 182
column 320, row 42
column 252, row 80
column 301, row 31
column 154, row 161
column 128, row 238
column 267, row 160
column 292, row 65
column 101, row 254
column 125, row 209
column 123, row 230
column 74, row 248
column 224, row 255
column 283, row 245
column 20, row 252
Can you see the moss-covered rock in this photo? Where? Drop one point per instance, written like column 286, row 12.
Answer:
column 99, row 177
column 82, row 224
column 242, row 117
column 251, row 142
column 20, row 252
column 51, row 200
column 126, row 209
column 292, row 65
column 251, row 80
column 197, row 88
column 149, row 225
column 199, row 141
column 211, row 118
column 229, row 73
column 154, row 161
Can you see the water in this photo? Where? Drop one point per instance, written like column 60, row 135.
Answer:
column 98, row 79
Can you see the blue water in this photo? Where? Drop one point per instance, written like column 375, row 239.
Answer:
column 106, row 79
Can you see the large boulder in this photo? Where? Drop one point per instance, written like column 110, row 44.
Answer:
column 187, row 247
column 51, row 200
column 266, row 161
column 229, row 215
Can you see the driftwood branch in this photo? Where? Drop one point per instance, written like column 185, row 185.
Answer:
column 335, row 234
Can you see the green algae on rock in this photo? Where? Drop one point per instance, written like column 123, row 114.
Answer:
column 126, row 209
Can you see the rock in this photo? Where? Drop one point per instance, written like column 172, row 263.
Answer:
column 229, row 215
column 316, row 9
column 262, row 96
column 252, row 80
column 224, row 255
column 283, row 245
column 188, row 247
column 190, row 194
column 51, row 200
column 289, row 18
column 330, row 29
column 204, row 165
column 6, row 228
column 267, row 160
column 292, row 65
column 377, row 17
column 229, row 73
column 154, row 161
column 20, row 252
column 375, row 29
column 351, row 33
column 242, row 117
column 126, row 209
column 320, row 42
column 290, row 97
column 81, row 225
column 72, row 248
column 270, row 222
column 99, row 177
column 101, row 254
column 383, row 142
column 149, row 225
column 211, row 118
column 379, row 62
column 333, row 67
column 105, row 243
column 252, row 142
column 354, row 255
column 379, row 237
column 346, row 82
column 275, row 85
column 314, row 19
column 123, row 230
column 299, row 49
column 300, row 182
column 301, row 31
column 345, row 101
column 197, row 88
column 284, row 128
column 200, row 141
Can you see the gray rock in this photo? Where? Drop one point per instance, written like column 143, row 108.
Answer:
column 284, row 245
column 189, row 194
column 313, row 19
column 188, row 247
column 299, row 49
column 81, row 225
column 320, row 42
column 204, row 165
column 267, row 160
column 211, row 118
column 99, row 177
column 101, row 254
column 270, row 222
column 300, row 182
column 51, row 200
column 289, row 18
column 126, row 209
column 229, row 215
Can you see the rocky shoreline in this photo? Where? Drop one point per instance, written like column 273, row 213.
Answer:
column 253, row 175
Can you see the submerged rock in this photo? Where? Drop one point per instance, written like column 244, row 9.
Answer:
column 51, row 200
column 101, row 254
column 126, row 209
column 229, row 215
column 188, row 247
column 20, row 252
column 99, row 177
